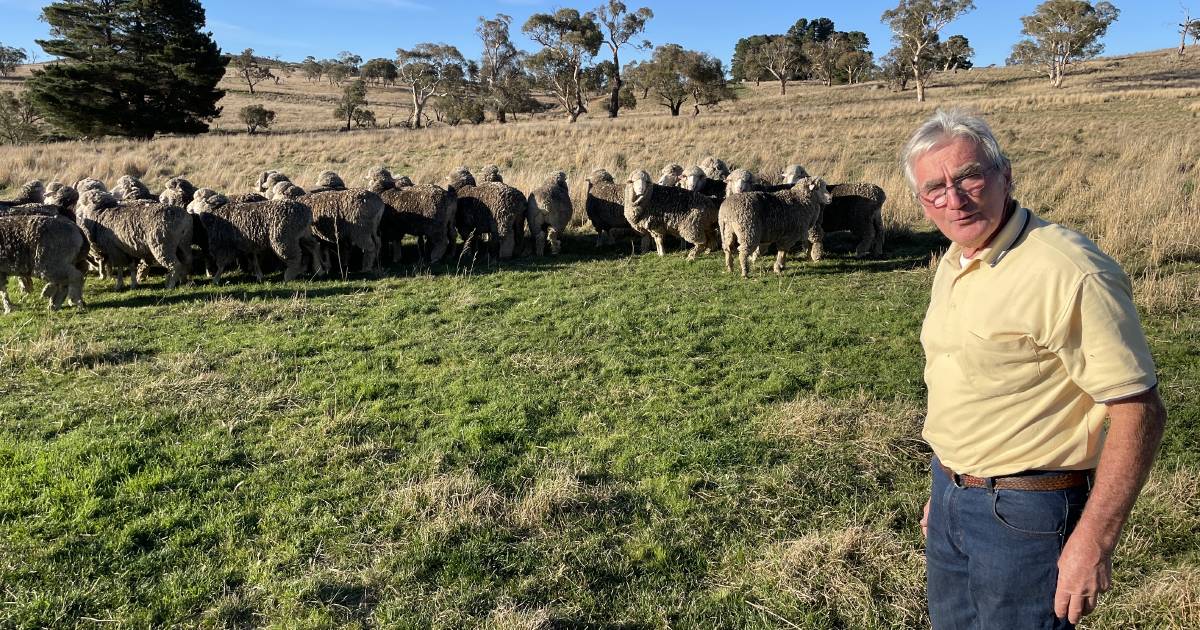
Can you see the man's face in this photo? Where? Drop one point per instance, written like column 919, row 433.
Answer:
column 969, row 218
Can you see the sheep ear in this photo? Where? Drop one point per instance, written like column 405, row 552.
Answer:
column 812, row 185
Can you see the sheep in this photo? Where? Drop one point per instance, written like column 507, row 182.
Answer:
column 696, row 179
column 328, row 180
column 378, row 180
column 347, row 217
column 284, row 189
column 792, row 173
column 670, row 175
column 550, row 210
column 663, row 210
column 492, row 208
column 750, row 220
column 89, row 183
column 63, row 196
column 858, row 208
column 280, row 227
column 130, row 188
column 491, row 173
column 714, row 168
column 267, row 179
column 178, row 192
column 32, row 192
column 425, row 211
column 604, row 205
column 250, row 197
column 51, row 248
column 123, row 233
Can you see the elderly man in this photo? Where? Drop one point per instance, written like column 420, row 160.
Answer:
column 1031, row 340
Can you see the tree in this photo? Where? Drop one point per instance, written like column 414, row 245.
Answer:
column 429, row 70
column 363, row 118
column 10, row 58
column 349, row 59
column 824, row 56
column 251, row 71
column 916, row 25
column 817, row 30
column 312, row 68
column 380, row 71
column 620, row 27
column 335, row 71
column 781, row 57
column 569, row 41
column 1188, row 26
column 20, row 121
column 674, row 75
column 746, row 64
column 1060, row 32
column 955, row 53
column 354, row 97
column 128, row 67
column 504, row 86
column 255, row 116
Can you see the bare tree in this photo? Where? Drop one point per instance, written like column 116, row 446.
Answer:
column 569, row 41
column 620, row 27
column 781, row 57
column 1060, row 32
column 916, row 25
column 1188, row 26
column 430, row 70
column 250, row 70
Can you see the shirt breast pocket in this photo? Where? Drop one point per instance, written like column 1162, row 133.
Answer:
column 1000, row 364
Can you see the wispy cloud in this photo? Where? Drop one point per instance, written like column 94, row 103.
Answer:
column 227, row 33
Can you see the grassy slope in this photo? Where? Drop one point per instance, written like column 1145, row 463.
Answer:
column 609, row 439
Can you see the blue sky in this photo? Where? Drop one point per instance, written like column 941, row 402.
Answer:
column 375, row 28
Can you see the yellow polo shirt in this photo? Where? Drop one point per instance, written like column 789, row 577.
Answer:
column 1023, row 345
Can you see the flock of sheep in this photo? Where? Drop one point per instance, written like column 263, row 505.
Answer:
column 57, row 232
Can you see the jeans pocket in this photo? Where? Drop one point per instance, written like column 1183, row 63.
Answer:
column 1031, row 513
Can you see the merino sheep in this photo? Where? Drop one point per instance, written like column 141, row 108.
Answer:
column 425, row 211
column 284, row 189
column 123, row 233
column 492, row 208
column 663, row 210
column 714, row 168
column 267, row 179
column 697, row 180
column 250, row 197
column 491, row 173
column 550, row 210
column 605, row 206
column 89, row 183
column 63, row 196
column 347, row 218
column 378, row 180
column 751, row 220
column 51, row 248
column 281, row 227
column 858, row 208
column 328, row 180
column 741, row 180
column 670, row 175
column 130, row 188
column 792, row 173
column 178, row 192
column 31, row 192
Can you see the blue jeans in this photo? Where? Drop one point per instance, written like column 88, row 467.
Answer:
column 991, row 556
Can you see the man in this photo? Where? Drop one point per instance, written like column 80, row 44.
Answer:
column 1031, row 341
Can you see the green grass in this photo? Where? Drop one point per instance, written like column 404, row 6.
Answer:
column 593, row 440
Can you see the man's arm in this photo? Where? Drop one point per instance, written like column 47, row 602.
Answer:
column 1085, row 565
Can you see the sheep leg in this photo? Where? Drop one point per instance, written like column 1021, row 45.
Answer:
column 555, row 241
column 26, row 283
column 744, row 258
column 508, row 241
column 728, row 243
column 4, row 293
column 258, row 274
column 539, row 242
column 658, row 244
column 780, row 257
column 877, row 244
column 56, row 300
column 698, row 248
column 816, row 236
column 438, row 248
column 75, row 290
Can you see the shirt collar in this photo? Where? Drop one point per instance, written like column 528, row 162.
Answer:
column 1004, row 240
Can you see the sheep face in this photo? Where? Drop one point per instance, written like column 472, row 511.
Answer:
column 793, row 173
column 206, row 200
column 714, row 168
column 62, row 196
column 491, row 173
column 670, row 175
column 740, row 180
column 819, row 190
column 89, row 183
column 285, row 190
column 404, row 182
column 639, row 185
column 93, row 200
column 460, row 177
column 693, row 178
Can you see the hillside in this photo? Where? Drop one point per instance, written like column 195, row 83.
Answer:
column 601, row 439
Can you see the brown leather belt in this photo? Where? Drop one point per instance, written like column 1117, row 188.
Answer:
column 1041, row 483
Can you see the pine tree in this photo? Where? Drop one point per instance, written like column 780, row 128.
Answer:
column 129, row 68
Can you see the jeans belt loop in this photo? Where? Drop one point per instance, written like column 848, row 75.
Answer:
column 991, row 484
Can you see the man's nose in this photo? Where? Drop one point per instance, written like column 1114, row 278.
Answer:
column 955, row 198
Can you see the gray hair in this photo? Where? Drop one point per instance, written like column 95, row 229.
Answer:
column 946, row 124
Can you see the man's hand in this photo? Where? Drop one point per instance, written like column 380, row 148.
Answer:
column 925, row 520
column 1084, row 572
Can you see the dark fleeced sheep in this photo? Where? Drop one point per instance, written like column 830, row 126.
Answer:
column 666, row 210
column 51, row 248
column 857, row 207
column 604, row 205
column 123, row 233
column 492, row 208
column 750, row 220
column 426, row 212
column 282, row 228
column 348, row 218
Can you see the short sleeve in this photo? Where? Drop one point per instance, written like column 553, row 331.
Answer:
column 1100, row 341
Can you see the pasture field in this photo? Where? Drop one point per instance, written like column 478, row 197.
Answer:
column 599, row 439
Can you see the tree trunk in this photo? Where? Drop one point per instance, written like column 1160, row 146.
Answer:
column 920, row 89
column 1183, row 31
column 614, row 99
column 574, row 114
column 418, row 109
column 675, row 108
column 500, row 117
column 782, row 87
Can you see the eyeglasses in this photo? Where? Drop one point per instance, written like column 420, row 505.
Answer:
column 970, row 184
